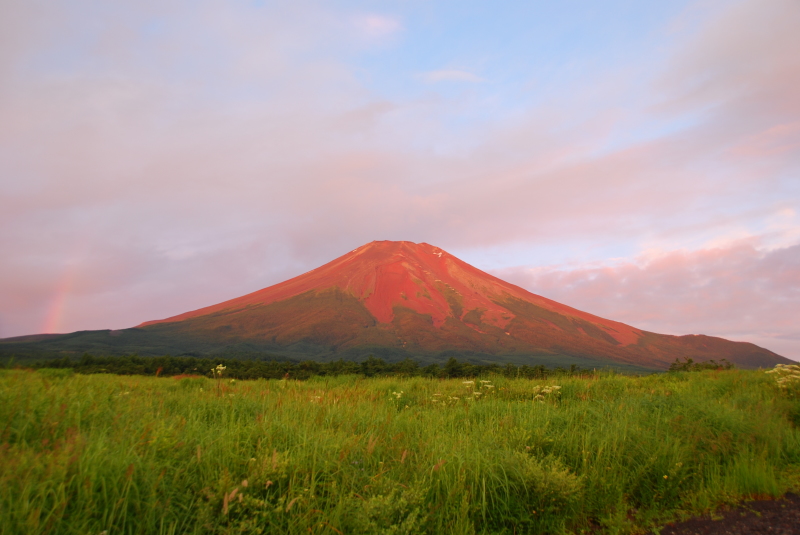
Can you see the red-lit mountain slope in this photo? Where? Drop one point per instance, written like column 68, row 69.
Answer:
column 407, row 299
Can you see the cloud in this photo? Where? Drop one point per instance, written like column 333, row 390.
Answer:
column 378, row 26
column 739, row 292
column 451, row 75
column 743, row 56
column 162, row 171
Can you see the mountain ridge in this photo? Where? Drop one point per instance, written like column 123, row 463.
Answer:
column 403, row 299
column 372, row 290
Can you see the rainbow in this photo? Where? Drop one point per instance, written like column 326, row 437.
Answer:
column 52, row 322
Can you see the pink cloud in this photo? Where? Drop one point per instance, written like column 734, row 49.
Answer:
column 378, row 26
column 185, row 197
column 744, row 55
column 781, row 139
column 737, row 292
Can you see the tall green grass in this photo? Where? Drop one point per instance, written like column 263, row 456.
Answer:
column 115, row 454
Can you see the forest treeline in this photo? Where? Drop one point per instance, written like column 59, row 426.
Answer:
column 689, row 365
column 276, row 369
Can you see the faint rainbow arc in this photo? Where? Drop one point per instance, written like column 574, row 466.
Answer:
column 53, row 321
column 55, row 311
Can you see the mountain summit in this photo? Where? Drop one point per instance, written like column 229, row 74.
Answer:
column 398, row 299
column 386, row 275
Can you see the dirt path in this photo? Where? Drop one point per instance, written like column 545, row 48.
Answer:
column 775, row 517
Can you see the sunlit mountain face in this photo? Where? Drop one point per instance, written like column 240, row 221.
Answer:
column 398, row 299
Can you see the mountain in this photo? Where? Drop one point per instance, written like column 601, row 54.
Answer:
column 398, row 300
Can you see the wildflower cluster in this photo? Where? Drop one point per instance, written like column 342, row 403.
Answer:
column 396, row 397
column 217, row 372
column 541, row 393
column 473, row 393
column 438, row 398
column 484, row 388
column 788, row 377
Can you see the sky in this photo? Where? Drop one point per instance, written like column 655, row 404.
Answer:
column 637, row 160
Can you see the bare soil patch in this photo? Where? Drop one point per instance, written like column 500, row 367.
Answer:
column 775, row 517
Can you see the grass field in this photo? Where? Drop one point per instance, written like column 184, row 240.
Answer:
column 103, row 454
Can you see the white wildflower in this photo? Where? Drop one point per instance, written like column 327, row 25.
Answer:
column 788, row 376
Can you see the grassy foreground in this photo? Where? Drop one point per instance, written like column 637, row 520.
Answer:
column 103, row 454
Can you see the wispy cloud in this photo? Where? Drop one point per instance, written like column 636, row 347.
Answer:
column 378, row 26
